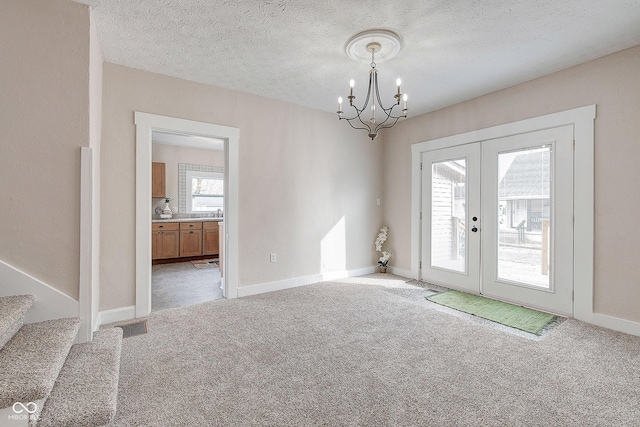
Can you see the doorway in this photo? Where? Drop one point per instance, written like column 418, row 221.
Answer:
column 145, row 125
column 187, row 210
column 498, row 218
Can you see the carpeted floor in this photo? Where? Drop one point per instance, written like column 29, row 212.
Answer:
column 369, row 351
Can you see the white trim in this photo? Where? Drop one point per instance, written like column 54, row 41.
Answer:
column 117, row 314
column 145, row 124
column 614, row 323
column 85, row 293
column 50, row 302
column 583, row 121
column 401, row 272
column 261, row 288
column 416, row 204
column 584, row 222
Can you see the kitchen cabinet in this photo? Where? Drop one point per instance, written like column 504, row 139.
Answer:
column 158, row 180
column 190, row 239
column 165, row 240
column 210, row 238
column 185, row 240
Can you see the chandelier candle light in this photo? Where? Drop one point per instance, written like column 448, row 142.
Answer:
column 386, row 44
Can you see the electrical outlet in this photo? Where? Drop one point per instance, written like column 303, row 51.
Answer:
column 273, row 258
column 378, row 202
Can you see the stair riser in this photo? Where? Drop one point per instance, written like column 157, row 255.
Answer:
column 12, row 313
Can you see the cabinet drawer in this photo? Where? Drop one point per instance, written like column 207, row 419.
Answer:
column 159, row 226
column 210, row 225
column 191, row 226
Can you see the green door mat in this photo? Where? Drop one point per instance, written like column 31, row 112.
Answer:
column 511, row 315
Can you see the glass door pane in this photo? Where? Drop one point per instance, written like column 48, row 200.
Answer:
column 448, row 215
column 524, row 216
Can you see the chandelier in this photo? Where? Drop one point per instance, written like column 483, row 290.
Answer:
column 385, row 44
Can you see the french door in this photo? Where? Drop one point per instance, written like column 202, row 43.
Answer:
column 497, row 218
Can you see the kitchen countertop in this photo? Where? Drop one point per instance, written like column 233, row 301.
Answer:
column 205, row 219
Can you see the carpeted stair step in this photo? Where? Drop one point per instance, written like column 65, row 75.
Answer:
column 12, row 311
column 31, row 361
column 86, row 391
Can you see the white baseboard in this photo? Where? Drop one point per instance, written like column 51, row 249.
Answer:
column 261, row 288
column 400, row 272
column 50, row 302
column 129, row 312
column 117, row 314
column 610, row 322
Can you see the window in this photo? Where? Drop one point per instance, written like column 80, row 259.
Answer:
column 205, row 191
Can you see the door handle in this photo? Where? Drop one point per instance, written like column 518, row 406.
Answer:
column 474, row 229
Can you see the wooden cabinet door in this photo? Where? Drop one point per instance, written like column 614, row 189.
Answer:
column 190, row 243
column 170, row 244
column 165, row 243
column 210, row 238
column 156, row 244
column 158, row 180
column 165, row 240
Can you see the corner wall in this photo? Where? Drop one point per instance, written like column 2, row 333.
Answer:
column 610, row 82
column 307, row 183
column 44, row 120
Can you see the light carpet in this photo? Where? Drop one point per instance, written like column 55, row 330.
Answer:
column 363, row 352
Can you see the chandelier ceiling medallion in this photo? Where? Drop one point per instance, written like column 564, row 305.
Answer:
column 372, row 44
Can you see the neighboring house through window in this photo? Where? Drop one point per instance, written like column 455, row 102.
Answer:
column 205, row 191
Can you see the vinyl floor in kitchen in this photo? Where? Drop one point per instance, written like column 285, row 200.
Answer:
column 180, row 284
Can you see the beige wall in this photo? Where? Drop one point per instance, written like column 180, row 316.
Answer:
column 302, row 175
column 44, row 120
column 171, row 155
column 612, row 83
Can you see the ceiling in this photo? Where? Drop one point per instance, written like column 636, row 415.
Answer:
column 181, row 140
column 294, row 50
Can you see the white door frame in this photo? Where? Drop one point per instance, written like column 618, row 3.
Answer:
column 582, row 120
column 145, row 124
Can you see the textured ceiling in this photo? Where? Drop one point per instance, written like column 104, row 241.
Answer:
column 293, row 50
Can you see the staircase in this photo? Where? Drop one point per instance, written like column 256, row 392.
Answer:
column 55, row 382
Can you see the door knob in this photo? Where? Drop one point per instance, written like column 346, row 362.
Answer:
column 474, row 229
column 475, row 218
